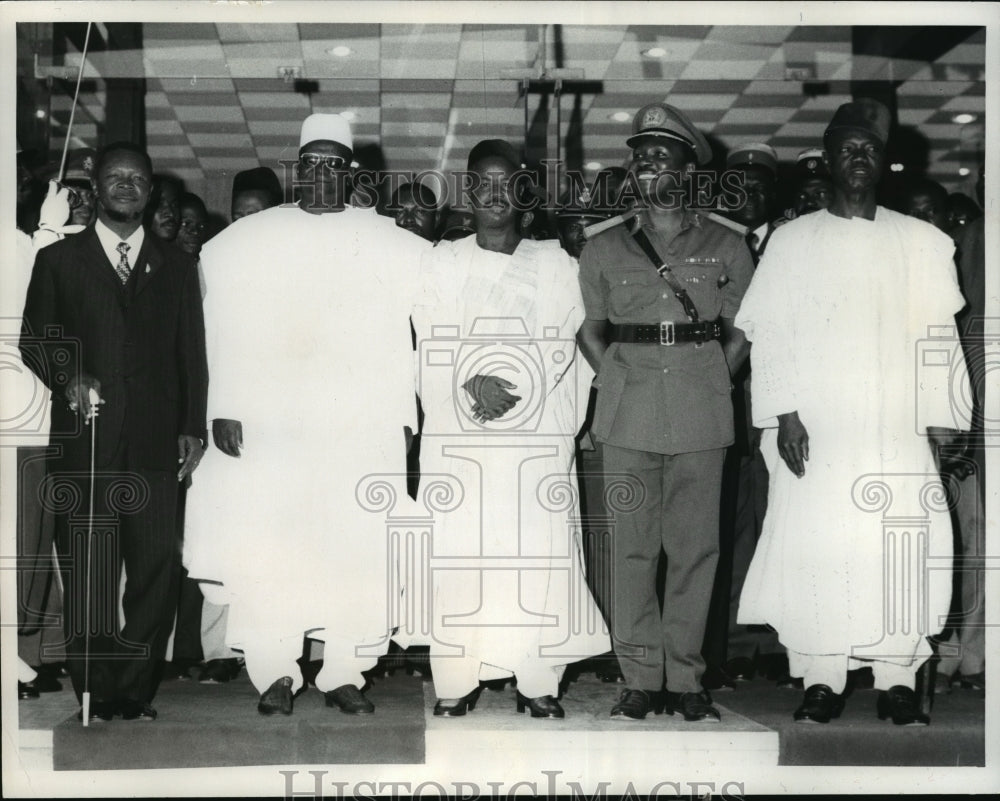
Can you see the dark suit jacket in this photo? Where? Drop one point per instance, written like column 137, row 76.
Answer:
column 145, row 343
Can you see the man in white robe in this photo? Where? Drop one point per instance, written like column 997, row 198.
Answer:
column 312, row 371
column 504, row 394
column 854, row 563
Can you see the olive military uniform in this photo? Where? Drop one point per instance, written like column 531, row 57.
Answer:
column 665, row 416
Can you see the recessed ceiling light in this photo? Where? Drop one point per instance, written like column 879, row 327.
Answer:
column 963, row 171
column 350, row 116
column 340, row 51
column 620, row 116
column 593, row 165
column 897, row 167
column 655, row 52
column 963, row 119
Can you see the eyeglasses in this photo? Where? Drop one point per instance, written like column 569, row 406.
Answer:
column 191, row 225
column 316, row 160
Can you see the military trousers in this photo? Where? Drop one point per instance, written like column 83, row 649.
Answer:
column 667, row 504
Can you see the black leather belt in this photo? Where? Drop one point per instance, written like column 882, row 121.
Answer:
column 666, row 333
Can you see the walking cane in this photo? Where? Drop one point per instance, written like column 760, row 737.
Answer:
column 91, row 420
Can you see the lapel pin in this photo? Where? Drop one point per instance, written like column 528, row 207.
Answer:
column 147, row 268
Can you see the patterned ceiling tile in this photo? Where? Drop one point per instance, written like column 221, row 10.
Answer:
column 205, row 142
column 153, row 31
column 214, row 126
column 196, row 83
column 172, row 152
column 223, row 162
column 774, row 115
column 419, row 90
column 286, row 99
column 338, row 31
column 751, row 34
column 270, row 32
column 183, row 51
column 209, row 113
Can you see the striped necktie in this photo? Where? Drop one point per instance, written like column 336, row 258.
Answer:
column 123, row 269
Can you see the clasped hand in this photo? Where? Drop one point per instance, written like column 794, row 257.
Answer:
column 491, row 400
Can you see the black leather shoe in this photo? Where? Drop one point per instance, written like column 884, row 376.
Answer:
column 457, row 708
column 636, row 704
column 819, row 705
column 219, row 671
column 694, row 706
column 969, row 681
column 544, row 706
column 45, row 681
column 26, row 691
column 717, row 679
column 100, row 711
column 277, row 698
column 350, row 700
column 137, row 710
column 495, row 685
column 739, row 668
column 900, row 703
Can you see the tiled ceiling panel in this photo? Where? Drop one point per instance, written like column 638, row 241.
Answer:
column 425, row 94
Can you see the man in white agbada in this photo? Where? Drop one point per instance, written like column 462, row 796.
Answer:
column 503, row 395
column 854, row 564
column 311, row 369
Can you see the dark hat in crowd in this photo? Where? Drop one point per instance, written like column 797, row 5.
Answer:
column 811, row 164
column 80, row 164
column 864, row 114
column 494, row 148
column 260, row 179
column 662, row 119
column 753, row 154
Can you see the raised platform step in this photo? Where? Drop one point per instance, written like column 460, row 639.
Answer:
column 495, row 736
column 218, row 725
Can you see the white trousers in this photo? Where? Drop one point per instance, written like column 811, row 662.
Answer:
column 455, row 676
column 213, row 632
column 269, row 659
column 831, row 670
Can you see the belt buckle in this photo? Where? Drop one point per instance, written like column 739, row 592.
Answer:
column 666, row 333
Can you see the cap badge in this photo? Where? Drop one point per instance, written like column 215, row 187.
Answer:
column 654, row 117
column 88, row 164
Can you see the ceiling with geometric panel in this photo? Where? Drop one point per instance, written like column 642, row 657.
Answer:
column 424, row 94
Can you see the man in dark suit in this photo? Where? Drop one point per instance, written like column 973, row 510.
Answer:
column 114, row 315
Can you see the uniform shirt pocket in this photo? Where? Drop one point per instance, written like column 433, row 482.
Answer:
column 633, row 290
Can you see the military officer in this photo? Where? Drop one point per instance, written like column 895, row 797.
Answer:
column 664, row 345
column 815, row 189
column 573, row 215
